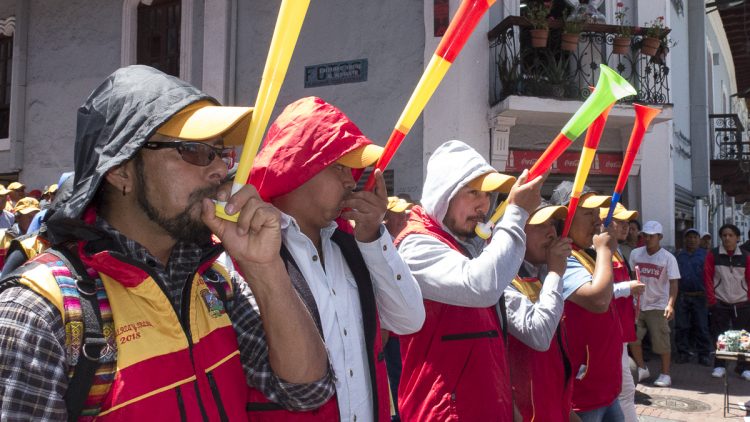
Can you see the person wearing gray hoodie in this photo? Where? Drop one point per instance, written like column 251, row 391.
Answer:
column 456, row 365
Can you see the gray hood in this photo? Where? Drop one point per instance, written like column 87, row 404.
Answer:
column 451, row 167
column 112, row 125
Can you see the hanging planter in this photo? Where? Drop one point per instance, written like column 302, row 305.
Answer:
column 569, row 42
column 621, row 45
column 539, row 37
column 650, row 45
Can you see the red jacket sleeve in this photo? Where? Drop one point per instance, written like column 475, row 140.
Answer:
column 708, row 278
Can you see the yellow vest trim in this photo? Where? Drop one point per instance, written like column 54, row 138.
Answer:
column 40, row 280
column 230, row 356
column 530, row 289
column 585, row 260
column 32, row 246
column 147, row 395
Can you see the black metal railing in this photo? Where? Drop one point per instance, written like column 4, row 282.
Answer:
column 727, row 140
column 520, row 69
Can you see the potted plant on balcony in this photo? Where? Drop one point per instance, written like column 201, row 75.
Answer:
column 655, row 31
column 556, row 73
column 621, row 42
column 572, row 27
column 538, row 16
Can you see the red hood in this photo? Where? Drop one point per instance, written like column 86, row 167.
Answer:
column 308, row 136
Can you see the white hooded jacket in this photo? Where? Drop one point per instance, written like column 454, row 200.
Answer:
column 444, row 274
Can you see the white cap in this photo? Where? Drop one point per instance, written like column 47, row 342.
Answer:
column 652, row 227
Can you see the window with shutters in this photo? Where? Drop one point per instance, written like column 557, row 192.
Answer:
column 6, row 65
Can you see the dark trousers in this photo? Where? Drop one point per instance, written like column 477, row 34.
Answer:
column 691, row 325
column 392, row 351
column 729, row 317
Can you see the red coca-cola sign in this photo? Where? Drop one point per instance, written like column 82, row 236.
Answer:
column 607, row 163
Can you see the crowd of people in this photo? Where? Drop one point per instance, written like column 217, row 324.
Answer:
column 129, row 296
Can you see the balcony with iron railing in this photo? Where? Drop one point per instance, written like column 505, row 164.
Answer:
column 534, row 91
column 730, row 155
column 552, row 71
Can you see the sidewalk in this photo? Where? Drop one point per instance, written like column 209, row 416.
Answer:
column 694, row 395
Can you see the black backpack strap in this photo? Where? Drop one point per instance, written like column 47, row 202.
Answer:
column 93, row 342
column 504, row 318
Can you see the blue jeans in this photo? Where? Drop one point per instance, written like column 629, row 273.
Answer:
column 691, row 325
column 611, row 413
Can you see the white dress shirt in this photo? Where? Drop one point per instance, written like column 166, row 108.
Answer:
column 397, row 295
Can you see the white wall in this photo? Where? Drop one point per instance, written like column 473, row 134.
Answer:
column 73, row 46
column 680, row 98
column 459, row 108
column 389, row 33
column 657, row 180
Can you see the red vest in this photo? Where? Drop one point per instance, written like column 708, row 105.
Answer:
column 624, row 305
column 160, row 365
column 455, row 367
column 594, row 340
column 259, row 408
column 542, row 381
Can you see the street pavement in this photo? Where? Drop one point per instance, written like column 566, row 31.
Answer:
column 694, row 395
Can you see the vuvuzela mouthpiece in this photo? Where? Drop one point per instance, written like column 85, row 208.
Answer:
column 484, row 230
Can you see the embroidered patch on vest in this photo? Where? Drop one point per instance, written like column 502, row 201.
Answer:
column 214, row 305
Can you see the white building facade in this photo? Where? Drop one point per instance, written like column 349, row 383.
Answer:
column 367, row 56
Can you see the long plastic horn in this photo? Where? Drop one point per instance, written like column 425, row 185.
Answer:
column 288, row 26
column 610, row 88
column 466, row 19
column 590, row 144
column 643, row 117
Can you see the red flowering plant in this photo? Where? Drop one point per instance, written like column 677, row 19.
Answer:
column 623, row 26
column 656, row 28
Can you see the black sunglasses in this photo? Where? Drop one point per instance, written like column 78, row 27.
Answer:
column 197, row 153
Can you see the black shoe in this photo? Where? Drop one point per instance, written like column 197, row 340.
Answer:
column 704, row 361
column 682, row 358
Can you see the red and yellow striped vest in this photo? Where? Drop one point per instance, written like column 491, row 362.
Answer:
column 178, row 370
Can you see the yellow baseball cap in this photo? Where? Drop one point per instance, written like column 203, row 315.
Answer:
column 398, row 205
column 492, row 181
column 621, row 213
column 592, row 200
column 3, row 191
column 26, row 205
column 16, row 186
column 204, row 120
column 51, row 189
column 361, row 157
column 545, row 212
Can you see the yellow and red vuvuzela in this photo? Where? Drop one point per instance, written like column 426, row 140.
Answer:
column 466, row 19
column 285, row 34
column 593, row 136
column 643, row 117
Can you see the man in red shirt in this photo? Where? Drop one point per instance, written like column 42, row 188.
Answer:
column 726, row 275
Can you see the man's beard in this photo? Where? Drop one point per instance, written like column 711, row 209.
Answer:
column 182, row 227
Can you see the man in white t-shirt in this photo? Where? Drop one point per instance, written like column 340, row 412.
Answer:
column 658, row 270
